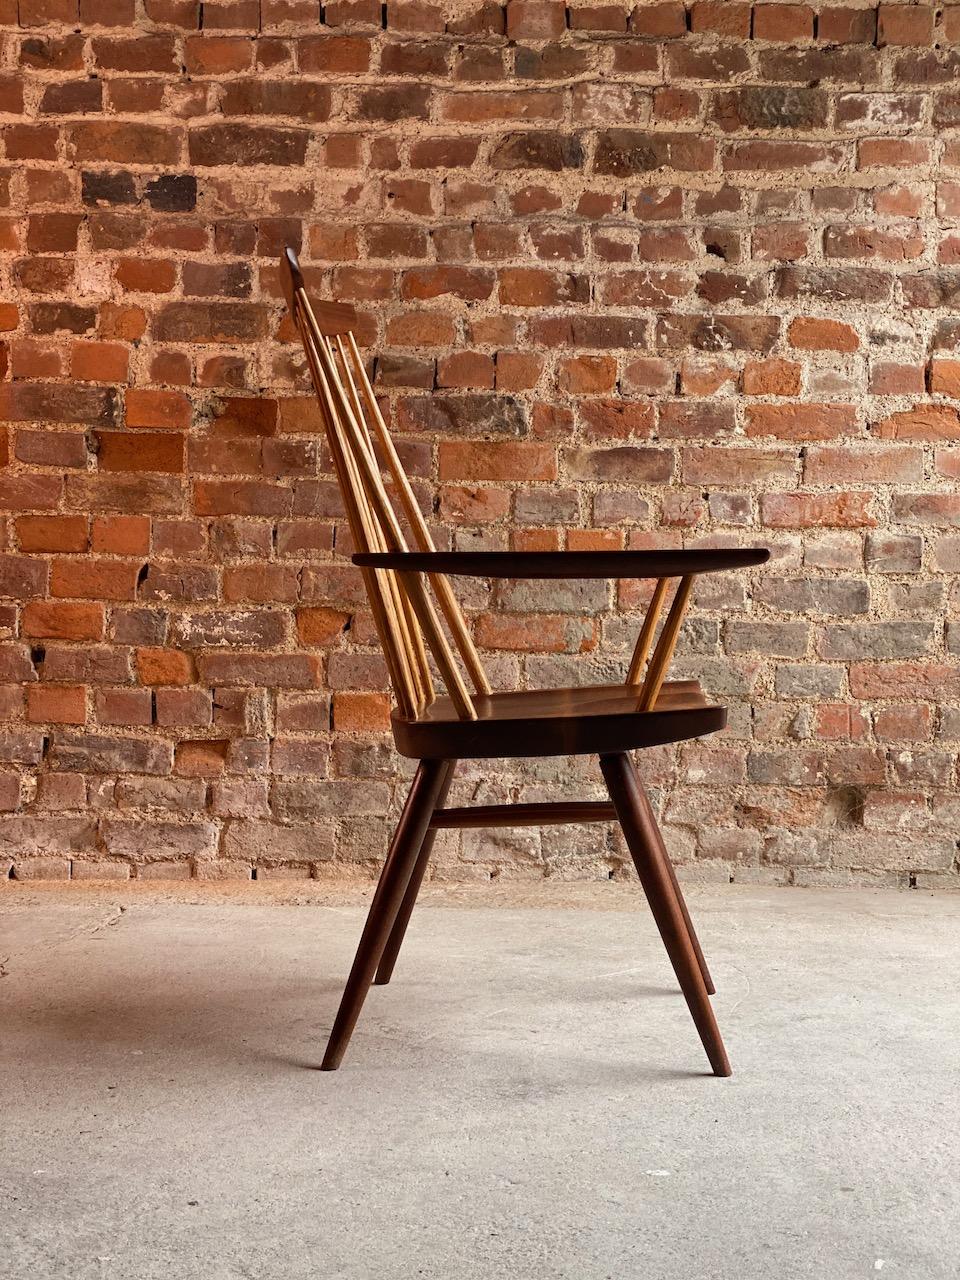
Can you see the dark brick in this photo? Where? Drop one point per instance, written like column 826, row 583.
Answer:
column 172, row 193
column 623, row 153
column 464, row 415
column 771, row 108
column 213, row 146
column 395, row 102
column 100, row 188
column 61, row 317
column 538, row 150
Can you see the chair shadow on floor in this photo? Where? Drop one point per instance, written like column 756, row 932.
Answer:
column 201, row 1024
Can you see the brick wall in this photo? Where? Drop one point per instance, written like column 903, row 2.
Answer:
column 648, row 276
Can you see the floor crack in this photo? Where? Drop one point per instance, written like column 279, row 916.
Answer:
column 111, row 921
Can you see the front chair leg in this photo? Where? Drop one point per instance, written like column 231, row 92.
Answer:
column 694, row 940
column 398, row 932
column 397, row 870
column 641, row 836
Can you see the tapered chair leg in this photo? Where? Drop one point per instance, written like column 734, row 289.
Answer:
column 694, row 940
column 395, row 941
column 397, row 870
column 641, row 836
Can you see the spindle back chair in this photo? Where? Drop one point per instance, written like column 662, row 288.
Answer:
column 409, row 590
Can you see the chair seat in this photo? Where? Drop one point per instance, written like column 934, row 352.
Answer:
column 596, row 719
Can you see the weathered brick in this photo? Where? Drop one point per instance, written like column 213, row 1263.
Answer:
column 637, row 465
column 269, row 844
column 817, row 510
column 773, row 107
column 817, row 596
column 863, row 641
column 932, row 422
column 94, row 753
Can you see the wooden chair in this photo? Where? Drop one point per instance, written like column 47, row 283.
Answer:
column 406, row 588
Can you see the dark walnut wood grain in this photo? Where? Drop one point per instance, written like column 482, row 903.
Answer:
column 558, row 722
column 567, row 564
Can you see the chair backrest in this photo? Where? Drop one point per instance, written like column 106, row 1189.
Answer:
column 402, row 606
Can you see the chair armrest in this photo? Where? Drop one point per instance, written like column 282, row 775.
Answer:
column 567, row 564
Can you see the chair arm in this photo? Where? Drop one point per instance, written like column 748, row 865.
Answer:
column 567, row 564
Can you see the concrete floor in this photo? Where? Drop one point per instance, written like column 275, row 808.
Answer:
column 527, row 1100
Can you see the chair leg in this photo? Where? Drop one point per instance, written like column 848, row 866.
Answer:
column 395, row 941
column 397, row 870
column 641, row 835
column 692, row 933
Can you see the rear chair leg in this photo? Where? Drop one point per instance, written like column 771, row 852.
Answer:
column 642, row 839
column 398, row 932
column 394, row 879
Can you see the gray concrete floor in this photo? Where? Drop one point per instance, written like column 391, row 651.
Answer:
column 527, row 1100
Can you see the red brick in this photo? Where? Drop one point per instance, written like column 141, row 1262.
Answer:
column 143, row 275
column 903, row 724
column 518, row 370
column 771, row 378
column 535, row 19
column 892, row 153
column 361, row 712
column 121, row 535
column 930, row 422
column 769, row 155
column 800, row 421
column 843, row 25
column 705, row 377
column 124, row 143
column 164, row 667
column 157, row 409
column 261, row 583
column 201, row 758
column 318, row 626
column 725, row 17
column 133, row 707
column 587, row 375
column 58, row 620
column 782, row 242
column 144, row 451
column 466, row 369
column 905, row 24
column 945, row 377
column 52, row 533
column 601, row 17
column 40, row 13
column 890, row 379
column 498, row 460
column 789, row 23
column 99, row 362
column 536, row 633
column 661, row 19
column 56, row 704
column 93, row 580
column 807, row 333
column 904, row 680
column 648, row 375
